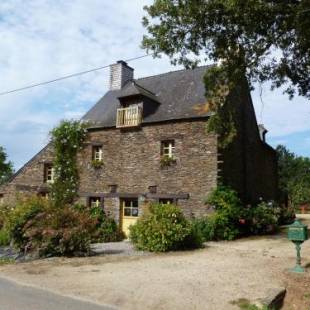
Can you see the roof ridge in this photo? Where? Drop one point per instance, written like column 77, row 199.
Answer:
column 169, row 72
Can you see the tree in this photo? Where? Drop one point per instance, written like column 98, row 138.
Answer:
column 6, row 168
column 294, row 176
column 262, row 40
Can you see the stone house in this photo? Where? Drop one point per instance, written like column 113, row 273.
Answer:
column 150, row 135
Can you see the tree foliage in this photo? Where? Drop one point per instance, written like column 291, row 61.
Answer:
column 6, row 167
column 294, row 176
column 262, row 40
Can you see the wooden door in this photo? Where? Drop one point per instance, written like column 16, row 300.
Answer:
column 129, row 213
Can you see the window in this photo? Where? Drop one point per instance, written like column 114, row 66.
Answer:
column 97, row 153
column 95, row 202
column 130, row 207
column 167, row 148
column 44, row 195
column 49, row 173
column 129, row 117
column 166, row 201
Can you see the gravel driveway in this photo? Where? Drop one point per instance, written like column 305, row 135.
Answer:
column 210, row 278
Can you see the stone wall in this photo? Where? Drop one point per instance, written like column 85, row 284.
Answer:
column 249, row 165
column 30, row 178
column 132, row 162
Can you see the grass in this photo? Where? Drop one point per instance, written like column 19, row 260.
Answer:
column 307, row 295
column 245, row 304
column 6, row 261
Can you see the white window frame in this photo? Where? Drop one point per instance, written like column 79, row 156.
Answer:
column 97, row 153
column 168, row 148
column 50, row 174
column 93, row 202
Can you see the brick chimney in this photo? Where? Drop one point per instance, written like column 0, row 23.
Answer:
column 120, row 74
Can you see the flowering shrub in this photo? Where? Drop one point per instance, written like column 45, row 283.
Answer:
column 163, row 228
column 67, row 139
column 36, row 225
column 226, row 222
column 231, row 219
column 263, row 218
column 64, row 231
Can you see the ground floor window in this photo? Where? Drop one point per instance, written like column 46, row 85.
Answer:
column 166, row 201
column 130, row 207
column 95, row 202
column 44, row 195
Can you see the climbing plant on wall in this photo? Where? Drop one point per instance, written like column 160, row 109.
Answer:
column 221, row 121
column 67, row 140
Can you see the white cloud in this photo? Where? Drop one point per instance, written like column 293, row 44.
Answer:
column 280, row 115
column 44, row 39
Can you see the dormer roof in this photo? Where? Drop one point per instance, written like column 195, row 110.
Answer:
column 132, row 89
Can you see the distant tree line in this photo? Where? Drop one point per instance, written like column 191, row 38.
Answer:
column 294, row 176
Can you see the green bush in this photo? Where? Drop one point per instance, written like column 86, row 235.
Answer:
column 219, row 227
column 231, row 219
column 4, row 237
column 37, row 225
column 21, row 215
column 4, row 215
column 264, row 218
column 287, row 215
column 163, row 228
column 224, row 223
column 63, row 231
column 106, row 228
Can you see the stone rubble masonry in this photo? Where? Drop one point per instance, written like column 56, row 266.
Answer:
column 30, row 178
column 132, row 162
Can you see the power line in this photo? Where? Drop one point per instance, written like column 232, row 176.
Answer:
column 66, row 77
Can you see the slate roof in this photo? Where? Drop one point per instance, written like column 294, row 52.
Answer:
column 180, row 94
column 132, row 88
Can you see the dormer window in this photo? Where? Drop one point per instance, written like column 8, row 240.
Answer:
column 133, row 99
column 49, row 173
column 130, row 116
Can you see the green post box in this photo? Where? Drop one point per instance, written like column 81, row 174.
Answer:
column 298, row 233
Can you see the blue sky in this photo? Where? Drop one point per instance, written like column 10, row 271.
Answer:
column 44, row 39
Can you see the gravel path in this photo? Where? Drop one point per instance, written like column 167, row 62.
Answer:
column 123, row 248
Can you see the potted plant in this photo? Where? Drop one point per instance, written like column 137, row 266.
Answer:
column 166, row 161
column 97, row 164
